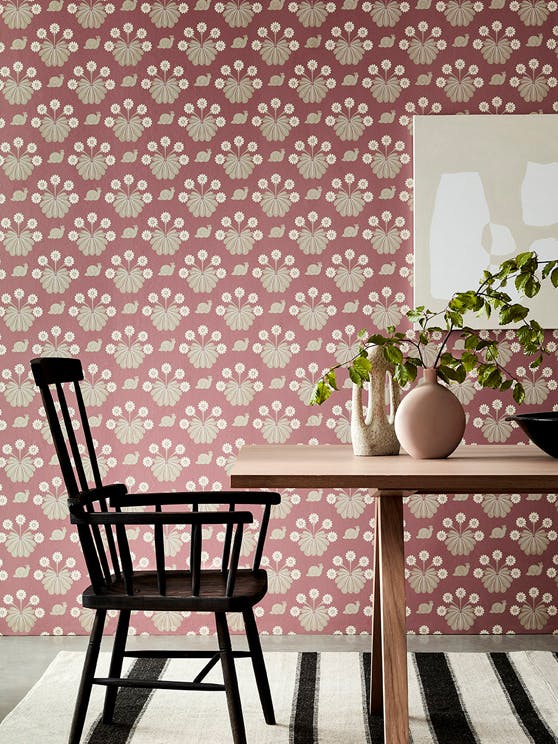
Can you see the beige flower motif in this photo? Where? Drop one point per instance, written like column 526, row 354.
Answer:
column 533, row 539
column 350, row 504
column 424, row 574
column 276, row 348
column 386, row 85
column 422, row 44
column 461, row 614
column 239, row 386
column 460, row 538
column 533, row 12
column 202, row 200
column 203, row 426
column 533, row 85
column 423, row 505
column 311, row 84
column 497, row 577
column 281, row 576
column 497, row 505
column 349, row 47
column 239, row 235
column 164, row 13
column 277, row 273
column 127, row 123
column 349, row 196
column 349, row 578
column 18, row 15
column 351, row 275
column 238, row 85
column 496, row 48
column 20, row 616
column 237, row 159
column 202, row 124
column 165, row 461
column 314, row 615
column 20, row 539
column 165, row 84
column 19, row 235
column 129, row 425
column 534, row 613
column 276, row 426
column 57, row 577
column 128, row 348
column 91, row 84
column 313, row 13
column 167, row 622
column 311, row 538
column 237, row 13
column 205, row 352
column 460, row 12
column 54, row 51
column 275, row 45
column 459, row 86
column 166, row 386
column 384, row 13
column 89, row 13
column 19, row 85
column 203, row 48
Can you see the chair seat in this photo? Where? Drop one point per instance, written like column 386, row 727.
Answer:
column 250, row 587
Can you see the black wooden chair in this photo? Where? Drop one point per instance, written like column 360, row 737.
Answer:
column 96, row 510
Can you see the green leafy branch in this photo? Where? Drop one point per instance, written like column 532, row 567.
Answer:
column 405, row 350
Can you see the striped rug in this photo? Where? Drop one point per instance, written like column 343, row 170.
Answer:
column 454, row 698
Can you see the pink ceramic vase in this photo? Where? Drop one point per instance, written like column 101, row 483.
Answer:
column 430, row 421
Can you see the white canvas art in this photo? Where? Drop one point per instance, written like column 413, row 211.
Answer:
column 486, row 188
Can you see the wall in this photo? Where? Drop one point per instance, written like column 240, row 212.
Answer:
column 204, row 202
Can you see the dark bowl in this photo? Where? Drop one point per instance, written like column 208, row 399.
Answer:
column 541, row 428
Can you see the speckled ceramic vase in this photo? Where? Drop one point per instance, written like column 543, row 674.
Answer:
column 430, row 420
column 373, row 433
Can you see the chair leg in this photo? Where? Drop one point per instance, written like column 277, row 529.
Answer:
column 258, row 663
column 118, row 648
column 230, row 678
column 87, row 675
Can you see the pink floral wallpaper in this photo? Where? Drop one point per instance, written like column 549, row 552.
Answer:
column 205, row 201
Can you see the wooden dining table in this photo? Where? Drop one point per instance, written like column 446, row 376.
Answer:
column 474, row 469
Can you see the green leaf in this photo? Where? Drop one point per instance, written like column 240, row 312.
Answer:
column 522, row 258
column 322, row 391
column 554, row 277
column 355, row 377
column 377, row 339
column 548, row 267
column 393, row 354
column 469, row 361
column 457, row 373
column 518, row 393
column 404, row 373
column 331, row 380
column 513, row 313
column 362, row 366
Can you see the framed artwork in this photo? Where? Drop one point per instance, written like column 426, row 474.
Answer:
column 486, row 188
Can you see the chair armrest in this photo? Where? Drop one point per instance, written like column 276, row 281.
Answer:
column 123, row 499
column 116, row 491
column 193, row 518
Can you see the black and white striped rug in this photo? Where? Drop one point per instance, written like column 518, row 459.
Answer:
column 454, row 698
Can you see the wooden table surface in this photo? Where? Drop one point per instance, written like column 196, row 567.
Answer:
column 470, row 469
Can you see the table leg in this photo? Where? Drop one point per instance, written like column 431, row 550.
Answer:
column 376, row 674
column 393, row 625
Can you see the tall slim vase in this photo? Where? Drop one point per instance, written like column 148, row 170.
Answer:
column 430, row 420
column 373, row 433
